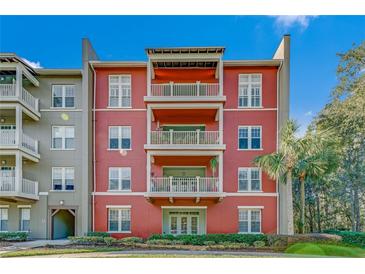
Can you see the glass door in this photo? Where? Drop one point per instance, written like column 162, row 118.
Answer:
column 182, row 223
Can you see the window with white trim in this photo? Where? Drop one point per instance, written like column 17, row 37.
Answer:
column 63, row 96
column 4, row 219
column 249, row 90
column 63, row 137
column 120, row 178
column 249, row 220
column 63, row 178
column 120, row 91
column 24, row 219
column 249, row 179
column 249, row 137
column 120, row 137
column 119, row 219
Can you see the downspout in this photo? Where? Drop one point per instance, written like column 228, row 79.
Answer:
column 277, row 145
column 94, row 154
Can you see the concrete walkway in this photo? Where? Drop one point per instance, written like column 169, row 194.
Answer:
column 32, row 244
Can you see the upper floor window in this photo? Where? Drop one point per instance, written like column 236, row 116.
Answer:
column 63, row 96
column 120, row 91
column 249, row 220
column 120, row 178
column 120, row 137
column 249, row 137
column 249, row 179
column 249, row 90
column 24, row 219
column 63, row 137
column 63, row 178
column 3, row 219
column 119, row 220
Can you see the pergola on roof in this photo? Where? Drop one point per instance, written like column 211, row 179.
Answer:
column 9, row 58
column 185, row 50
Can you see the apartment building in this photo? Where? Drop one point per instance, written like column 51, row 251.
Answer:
column 174, row 141
column 43, row 189
column 141, row 147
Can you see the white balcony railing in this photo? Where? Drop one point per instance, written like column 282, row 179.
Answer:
column 184, row 184
column 172, row 137
column 8, row 92
column 185, row 89
column 8, row 138
column 8, row 184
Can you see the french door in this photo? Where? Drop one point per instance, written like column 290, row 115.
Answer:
column 181, row 223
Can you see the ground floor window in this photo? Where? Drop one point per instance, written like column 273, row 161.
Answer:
column 249, row 220
column 119, row 220
column 3, row 219
column 24, row 219
column 182, row 222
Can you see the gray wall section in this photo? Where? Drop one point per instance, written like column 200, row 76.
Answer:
column 42, row 171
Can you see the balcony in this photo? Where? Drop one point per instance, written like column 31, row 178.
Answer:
column 8, row 94
column 185, row 92
column 12, row 189
column 8, row 140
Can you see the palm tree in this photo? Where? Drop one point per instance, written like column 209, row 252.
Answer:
column 281, row 165
column 316, row 159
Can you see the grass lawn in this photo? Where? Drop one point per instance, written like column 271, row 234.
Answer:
column 55, row 251
column 325, row 250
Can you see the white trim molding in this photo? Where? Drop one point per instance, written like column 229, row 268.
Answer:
column 4, row 206
column 118, row 206
column 184, row 207
column 24, row 206
column 250, row 207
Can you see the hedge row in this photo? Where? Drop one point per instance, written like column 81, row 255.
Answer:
column 216, row 238
column 13, row 236
column 349, row 237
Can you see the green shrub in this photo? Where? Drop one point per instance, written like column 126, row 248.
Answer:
column 160, row 242
column 216, row 238
column 14, row 236
column 109, row 241
column 349, row 237
column 130, row 240
column 98, row 234
column 259, row 244
column 209, row 243
column 86, row 240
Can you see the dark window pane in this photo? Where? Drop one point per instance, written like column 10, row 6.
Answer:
column 57, row 102
column 113, row 184
column 126, row 143
column 69, row 102
column 243, row 143
column 255, row 226
column 255, row 184
column 57, row 142
column 69, row 187
column 243, row 226
column 57, row 184
column 4, row 225
column 114, row 143
column 256, row 143
column 113, row 225
column 126, row 184
column 126, row 225
column 69, row 142
column 243, row 185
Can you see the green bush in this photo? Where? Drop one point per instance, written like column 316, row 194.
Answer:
column 258, row 244
column 86, row 240
column 14, row 236
column 131, row 240
column 209, row 243
column 349, row 237
column 109, row 241
column 216, row 238
column 98, row 234
column 160, row 242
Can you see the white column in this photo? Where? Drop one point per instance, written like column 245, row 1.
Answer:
column 18, row 81
column 149, row 121
column 220, row 124
column 220, row 77
column 18, row 171
column 148, row 168
column 18, row 124
column 220, row 170
column 149, row 77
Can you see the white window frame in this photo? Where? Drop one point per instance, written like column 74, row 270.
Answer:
column 120, row 86
column 63, row 178
column 249, row 142
column 249, row 219
column 249, row 179
column 249, row 84
column 5, row 208
column 64, row 86
column 120, row 129
column 21, row 208
column 120, row 209
column 120, row 178
column 63, row 147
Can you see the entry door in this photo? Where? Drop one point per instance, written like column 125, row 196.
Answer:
column 183, row 223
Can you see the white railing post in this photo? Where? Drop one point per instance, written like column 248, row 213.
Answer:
column 171, row 136
column 18, row 82
column 198, row 88
column 171, row 88
column 170, row 180
column 197, row 136
column 198, row 184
